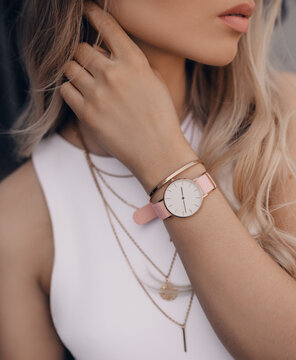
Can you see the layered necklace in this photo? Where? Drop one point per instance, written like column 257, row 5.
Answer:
column 168, row 291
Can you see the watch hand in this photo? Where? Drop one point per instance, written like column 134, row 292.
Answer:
column 183, row 199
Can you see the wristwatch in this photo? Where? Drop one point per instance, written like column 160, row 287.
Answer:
column 182, row 198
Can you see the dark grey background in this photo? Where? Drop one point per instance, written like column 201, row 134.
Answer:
column 284, row 40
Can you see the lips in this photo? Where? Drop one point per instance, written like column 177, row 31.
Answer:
column 238, row 16
column 242, row 10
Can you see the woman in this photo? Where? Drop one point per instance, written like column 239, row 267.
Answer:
column 70, row 271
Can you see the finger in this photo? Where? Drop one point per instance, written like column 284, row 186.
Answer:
column 90, row 58
column 79, row 77
column 72, row 97
column 114, row 36
column 106, row 53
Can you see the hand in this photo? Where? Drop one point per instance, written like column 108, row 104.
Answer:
column 121, row 98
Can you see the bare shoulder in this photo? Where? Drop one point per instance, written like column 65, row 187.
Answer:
column 26, row 327
column 25, row 226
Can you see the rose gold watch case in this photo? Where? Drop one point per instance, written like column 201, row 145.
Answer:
column 200, row 190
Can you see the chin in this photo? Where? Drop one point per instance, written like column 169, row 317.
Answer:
column 217, row 54
column 221, row 59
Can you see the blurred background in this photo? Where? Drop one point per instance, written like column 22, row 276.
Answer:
column 13, row 81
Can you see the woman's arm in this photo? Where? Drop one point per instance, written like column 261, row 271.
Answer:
column 248, row 298
column 26, row 329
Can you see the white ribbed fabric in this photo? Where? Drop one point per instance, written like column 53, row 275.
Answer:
column 98, row 308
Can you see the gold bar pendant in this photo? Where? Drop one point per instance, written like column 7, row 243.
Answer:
column 184, row 339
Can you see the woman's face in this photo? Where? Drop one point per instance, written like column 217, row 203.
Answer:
column 187, row 28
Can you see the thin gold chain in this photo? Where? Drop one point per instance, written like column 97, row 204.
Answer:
column 115, row 175
column 137, row 245
column 112, row 190
column 79, row 134
column 108, row 207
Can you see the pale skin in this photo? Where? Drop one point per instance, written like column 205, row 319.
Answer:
column 247, row 297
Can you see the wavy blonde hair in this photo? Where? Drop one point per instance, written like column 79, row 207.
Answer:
column 237, row 105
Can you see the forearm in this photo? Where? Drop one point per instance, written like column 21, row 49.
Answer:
column 248, row 298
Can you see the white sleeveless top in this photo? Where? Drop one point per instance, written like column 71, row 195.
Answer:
column 98, row 308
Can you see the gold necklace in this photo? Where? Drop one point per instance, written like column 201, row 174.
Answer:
column 108, row 208
column 167, row 290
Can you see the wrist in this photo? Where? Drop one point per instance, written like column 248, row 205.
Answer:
column 166, row 164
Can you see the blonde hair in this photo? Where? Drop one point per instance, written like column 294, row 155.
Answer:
column 240, row 107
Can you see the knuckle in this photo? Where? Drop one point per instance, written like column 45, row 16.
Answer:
column 138, row 52
column 95, row 62
column 112, row 74
column 64, row 88
column 108, row 20
column 138, row 61
column 70, row 67
column 82, row 46
column 81, row 51
column 97, row 93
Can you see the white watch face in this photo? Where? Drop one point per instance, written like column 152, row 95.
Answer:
column 183, row 197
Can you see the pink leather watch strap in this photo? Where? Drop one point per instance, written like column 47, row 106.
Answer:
column 160, row 210
column 144, row 214
column 205, row 183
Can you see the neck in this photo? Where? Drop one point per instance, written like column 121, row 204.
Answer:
column 172, row 70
